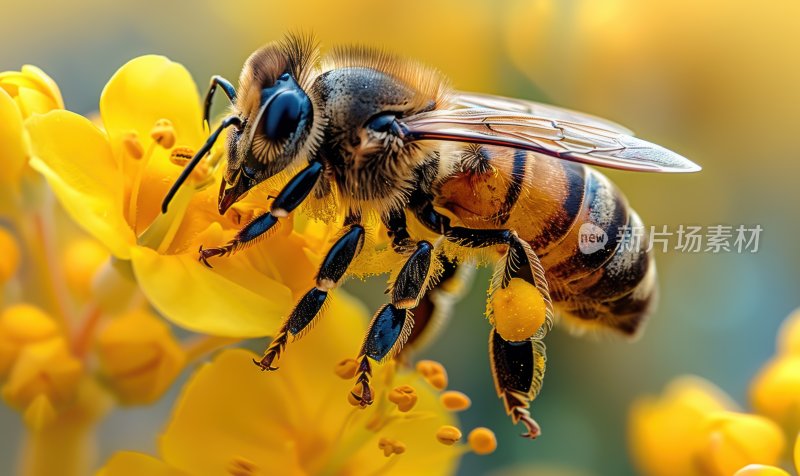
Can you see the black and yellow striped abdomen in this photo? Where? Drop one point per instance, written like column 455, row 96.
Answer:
column 590, row 242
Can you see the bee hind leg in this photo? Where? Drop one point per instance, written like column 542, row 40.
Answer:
column 305, row 313
column 517, row 369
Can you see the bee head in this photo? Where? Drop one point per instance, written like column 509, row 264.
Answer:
column 277, row 116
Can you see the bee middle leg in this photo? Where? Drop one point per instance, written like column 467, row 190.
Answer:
column 392, row 324
column 330, row 274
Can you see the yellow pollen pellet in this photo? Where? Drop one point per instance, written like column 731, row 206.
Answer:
column 448, row 435
column 404, row 396
column 518, row 310
column 433, row 372
column 346, row 369
column 482, row 441
column 163, row 133
column 455, row 401
column 132, row 145
column 391, row 447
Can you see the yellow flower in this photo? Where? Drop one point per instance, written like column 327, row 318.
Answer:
column 112, row 180
column 21, row 325
column 775, row 391
column 695, row 430
column 730, row 441
column 232, row 419
column 663, row 431
column 139, row 357
column 22, row 94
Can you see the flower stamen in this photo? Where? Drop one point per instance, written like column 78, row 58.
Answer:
column 133, row 146
column 448, row 435
column 482, row 441
column 433, row 372
column 391, row 447
column 163, row 133
column 455, row 401
column 404, row 396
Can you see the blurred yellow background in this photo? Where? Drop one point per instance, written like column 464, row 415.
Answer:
column 718, row 81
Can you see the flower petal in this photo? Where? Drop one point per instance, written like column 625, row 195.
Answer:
column 229, row 410
column 13, row 152
column 128, row 463
column 75, row 158
column 231, row 300
column 149, row 88
column 277, row 422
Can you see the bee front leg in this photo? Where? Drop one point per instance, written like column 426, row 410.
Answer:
column 289, row 198
column 330, row 274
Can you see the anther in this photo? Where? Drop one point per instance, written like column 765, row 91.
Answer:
column 448, row 435
column 130, row 140
column 433, row 372
column 404, row 396
column 455, row 401
column 482, row 441
column 181, row 156
column 346, row 369
column 163, row 133
column 391, row 447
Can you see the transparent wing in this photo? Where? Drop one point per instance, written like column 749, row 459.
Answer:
column 566, row 140
column 533, row 108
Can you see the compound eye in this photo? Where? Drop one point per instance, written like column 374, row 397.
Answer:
column 383, row 122
column 283, row 114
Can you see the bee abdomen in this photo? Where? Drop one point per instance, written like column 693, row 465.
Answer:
column 619, row 294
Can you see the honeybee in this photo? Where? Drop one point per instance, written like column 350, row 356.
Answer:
column 388, row 136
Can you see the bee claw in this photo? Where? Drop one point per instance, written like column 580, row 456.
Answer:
column 533, row 428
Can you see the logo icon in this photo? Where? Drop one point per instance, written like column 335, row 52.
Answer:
column 591, row 238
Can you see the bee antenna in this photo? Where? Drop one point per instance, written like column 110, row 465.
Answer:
column 227, row 122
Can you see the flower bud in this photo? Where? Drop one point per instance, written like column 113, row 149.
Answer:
column 139, row 357
column 43, row 369
column 21, row 325
column 730, row 441
column 33, row 90
column 661, row 430
column 82, row 260
column 775, row 391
